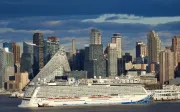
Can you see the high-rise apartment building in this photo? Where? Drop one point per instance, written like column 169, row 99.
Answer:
column 176, row 49
column 112, row 59
column 38, row 40
column 95, row 64
column 51, row 46
column 116, row 38
column 141, row 50
column 153, row 46
column 166, row 58
column 95, row 36
column 6, row 66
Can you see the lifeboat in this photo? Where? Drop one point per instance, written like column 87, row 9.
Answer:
column 93, row 97
column 76, row 97
column 56, row 98
column 99, row 96
column 106, row 96
column 50, row 98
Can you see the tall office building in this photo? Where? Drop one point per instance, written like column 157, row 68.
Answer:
column 95, row 63
column 141, row 50
column 116, row 38
column 79, row 59
column 166, row 65
column 38, row 40
column 112, row 59
column 176, row 49
column 27, row 58
column 95, row 36
column 15, row 49
column 6, row 66
column 16, row 52
column 36, row 60
column 51, row 46
column 154, row 46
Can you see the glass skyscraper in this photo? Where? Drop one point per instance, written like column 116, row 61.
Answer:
column 51, row 46
column 95, row 63
column 27, row 58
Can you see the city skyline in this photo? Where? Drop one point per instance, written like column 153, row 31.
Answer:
column 74, row 20
column 68, row 47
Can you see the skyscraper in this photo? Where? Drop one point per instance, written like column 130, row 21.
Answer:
column 6, row 66
column 27, row 58
column 79, row 59
column 141, row 50
column 16, row 52
column 112, row 59
column 95, row 36
column 116, row 38
column 72, row 60
column 176, row 49
column 38, row 40
column 15, row 49
column 95, row 63
column 166, row 65
column 73, row 47
column 154, row 46
column 51, row 46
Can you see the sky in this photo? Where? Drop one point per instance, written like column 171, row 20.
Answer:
column 73, row 19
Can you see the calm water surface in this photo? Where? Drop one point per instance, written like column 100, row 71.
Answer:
column 10, row 105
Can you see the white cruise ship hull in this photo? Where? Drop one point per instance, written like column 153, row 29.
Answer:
column 40, row 102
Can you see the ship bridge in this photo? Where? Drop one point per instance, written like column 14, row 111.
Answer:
column 55, row 67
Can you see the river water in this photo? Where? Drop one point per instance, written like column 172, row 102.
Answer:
column 10, row 105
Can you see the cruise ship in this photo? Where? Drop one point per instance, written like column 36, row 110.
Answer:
column 46, row 90
column 70, row 93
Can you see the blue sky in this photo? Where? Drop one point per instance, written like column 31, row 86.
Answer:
column 69, row 19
